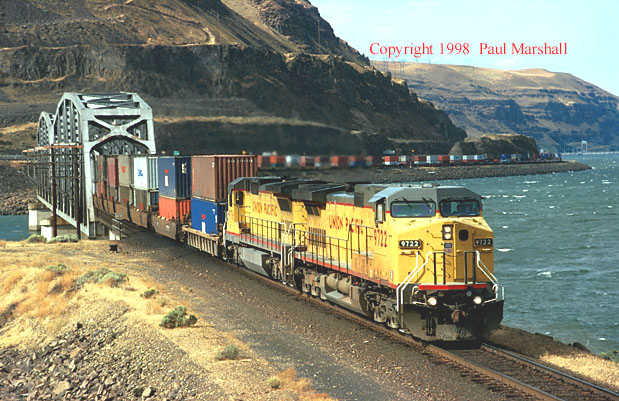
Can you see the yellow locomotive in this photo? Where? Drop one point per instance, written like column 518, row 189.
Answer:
column 417, row 258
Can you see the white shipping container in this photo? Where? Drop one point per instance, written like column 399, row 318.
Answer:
column 467, row 157
column 145, row 176
column 480, row 157
column 293, row 160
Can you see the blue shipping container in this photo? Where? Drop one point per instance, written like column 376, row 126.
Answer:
column 207, row 215
column 175, row 177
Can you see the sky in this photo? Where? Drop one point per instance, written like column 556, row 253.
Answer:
column 589, row 28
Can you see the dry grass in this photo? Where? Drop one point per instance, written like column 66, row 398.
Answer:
column 2, row 244
column 47, row 305
column 560, row 355
column 302, row 387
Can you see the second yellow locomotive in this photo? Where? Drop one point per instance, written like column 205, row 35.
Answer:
column 417, row 258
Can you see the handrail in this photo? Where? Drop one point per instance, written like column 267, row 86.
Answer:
column 402, row 286
column 496, row 286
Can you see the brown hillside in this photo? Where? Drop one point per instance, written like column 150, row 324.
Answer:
column 557, row 109
column 206, row 62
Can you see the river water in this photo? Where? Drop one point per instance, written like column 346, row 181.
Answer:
column 557, row 249
column 14, row 228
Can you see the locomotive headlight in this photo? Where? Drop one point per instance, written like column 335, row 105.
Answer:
column 477, row 300
column 432, row 301
column 447, row 232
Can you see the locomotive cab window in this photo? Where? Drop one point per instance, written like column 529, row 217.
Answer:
column 239, row 197
column 460, row 208
column 413, row 209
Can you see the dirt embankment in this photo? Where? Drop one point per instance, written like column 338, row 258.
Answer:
column 385, row 175
column 62, row 337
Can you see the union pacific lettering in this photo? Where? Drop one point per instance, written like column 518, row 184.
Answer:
column 337, row 222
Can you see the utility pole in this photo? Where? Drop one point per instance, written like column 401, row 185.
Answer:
column 54, row 216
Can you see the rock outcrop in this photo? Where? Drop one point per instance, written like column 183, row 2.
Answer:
column 495, row 145
column 559, row 110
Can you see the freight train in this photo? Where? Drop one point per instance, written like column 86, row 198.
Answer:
column 270, row 161
column 419, row 259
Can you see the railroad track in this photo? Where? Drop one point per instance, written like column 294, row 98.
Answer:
column 513, row 375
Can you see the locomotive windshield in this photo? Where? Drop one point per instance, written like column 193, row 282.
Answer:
column 413, row 209
column 459, row 208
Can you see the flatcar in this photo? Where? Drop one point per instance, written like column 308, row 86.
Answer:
column 416, row 258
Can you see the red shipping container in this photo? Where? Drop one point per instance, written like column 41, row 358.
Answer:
column 211, row 174
column 339, row 161
column 101, row 189
column 112, row 171
column 307, row 161
column 263, row 161
column 175, row 209
column 443, row 158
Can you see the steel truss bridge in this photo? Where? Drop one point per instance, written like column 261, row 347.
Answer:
column 82, row 127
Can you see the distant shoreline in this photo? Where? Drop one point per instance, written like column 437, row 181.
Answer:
column 404, row 174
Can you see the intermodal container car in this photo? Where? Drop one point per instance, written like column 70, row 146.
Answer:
column 206, row 216
column 174, row 175
column 124, row 170
column 125, row 195
column 112, row 171
column 145, row 200
column 174, row 209
column 307, row 161
column 277, row 161
column 145, row 173
column 211, row 174
column 339, row 161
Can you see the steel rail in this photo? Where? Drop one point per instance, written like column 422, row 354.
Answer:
column 549, row 370
column 491, row 376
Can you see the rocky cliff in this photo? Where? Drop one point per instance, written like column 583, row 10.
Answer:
column 495, row 145
column 221, row 76
column 559, row 110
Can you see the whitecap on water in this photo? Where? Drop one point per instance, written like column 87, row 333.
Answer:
column 602, row 338
column 610, row 206
column 545, row 274
column 504, row 212
column 525, row 190
column 519, row 196
column 551, row 207
column 531, row 182
column 504, row 249
column 505, row 226
column 505, row 196
column 570, row 214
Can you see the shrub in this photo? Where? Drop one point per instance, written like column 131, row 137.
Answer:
column 273, row 382
column 149, row 293
column 36, row 238
column 102, row 275
column 64, row 238
column 178, row 318
column 58, row 269
column 612, row 355
column 229, row 352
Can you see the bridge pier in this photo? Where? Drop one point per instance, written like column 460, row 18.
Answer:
column 37, row 212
